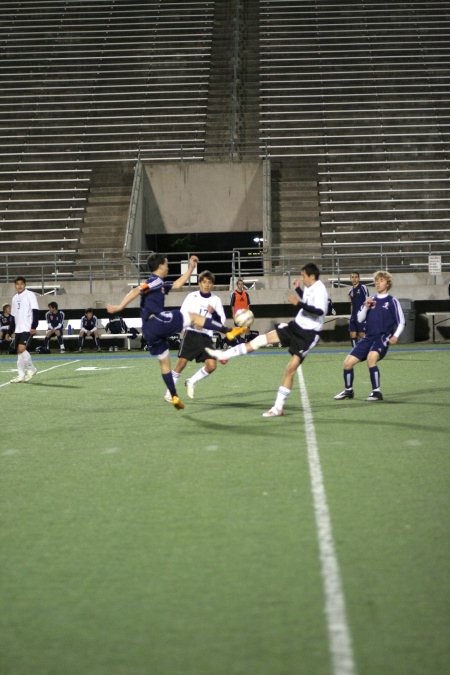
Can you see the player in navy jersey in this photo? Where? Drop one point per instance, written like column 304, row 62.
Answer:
column 157, row 323
column 384, row 324
column 358, row 295
column 55, row 327
column 5, row 326
column 299, row 336
column 89, row 327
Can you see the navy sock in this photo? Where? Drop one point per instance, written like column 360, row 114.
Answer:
column 348, row 378
column 170, row 384
column 211, row 324
column 375, row 377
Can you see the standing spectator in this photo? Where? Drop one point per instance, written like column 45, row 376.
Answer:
column 116, row 326
column 240, row 299
column 385, row 322
column 89, row 327
column 5, row 327
column 55, row 327
column 205, row 303
column 25, row 319
column 299, row 336
column 358, row 295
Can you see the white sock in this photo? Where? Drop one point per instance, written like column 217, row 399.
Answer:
column 238, row 350
column 176, row 376
column 282, row 396
column 27, row 362
column 21, row 364
column 259, row 341
column 199, row 375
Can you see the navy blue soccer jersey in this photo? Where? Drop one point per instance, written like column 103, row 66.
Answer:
column 384, row 318
column 5, row 322
column 153, row 294
column 89, row 324
column 357, row 295
column 55, row 321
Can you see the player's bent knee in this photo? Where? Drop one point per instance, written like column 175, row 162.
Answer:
column 163, row 356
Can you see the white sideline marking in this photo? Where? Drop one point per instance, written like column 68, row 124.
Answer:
column 338, row 630
column 46, row 370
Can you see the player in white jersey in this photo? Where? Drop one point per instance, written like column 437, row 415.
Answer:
column 299, row 335
column 25, row 319
column 195, row 340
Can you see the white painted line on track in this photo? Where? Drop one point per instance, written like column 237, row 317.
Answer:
column 338, row 630
column 46, row 370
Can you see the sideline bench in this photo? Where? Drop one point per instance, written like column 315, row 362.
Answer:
column 75, row 325
column 434, row 322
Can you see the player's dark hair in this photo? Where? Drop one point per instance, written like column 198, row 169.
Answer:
column 206, row 274
column 154, row 260
column 5, row 306
column 355, row 272
column 311, row 270
column 20, row 279
column 89, row 310
column 54, row 305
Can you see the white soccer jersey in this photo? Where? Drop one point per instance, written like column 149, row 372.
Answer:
column 315, row 295
column 195, row 302
column 22, row 310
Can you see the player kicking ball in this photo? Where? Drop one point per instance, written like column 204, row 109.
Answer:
column 299, row 336
column 157, row 323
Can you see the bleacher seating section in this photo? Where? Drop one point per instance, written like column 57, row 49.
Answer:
column 353, row 112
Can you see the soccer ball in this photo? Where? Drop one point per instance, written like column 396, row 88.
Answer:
column 244, row 317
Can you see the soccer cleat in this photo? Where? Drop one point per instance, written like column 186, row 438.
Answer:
column 273, row 412
column 29, row 374
column 177, row 404
column 346, row 393
column 218, row 354
column 168, row 396
column 62, row 350
column 375, row 396
column 234, row 332
column 189, row 388
column 18, row 378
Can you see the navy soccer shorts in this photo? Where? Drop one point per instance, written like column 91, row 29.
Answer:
column 377, row 343
column 355, row 327
column 159, row 327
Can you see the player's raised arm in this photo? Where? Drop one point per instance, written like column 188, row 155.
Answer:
column 178, row 283
column 131, row 295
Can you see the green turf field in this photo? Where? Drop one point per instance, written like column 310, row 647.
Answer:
column 137, row 540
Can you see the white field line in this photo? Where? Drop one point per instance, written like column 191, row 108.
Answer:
column 338, row 630
column 39, row 372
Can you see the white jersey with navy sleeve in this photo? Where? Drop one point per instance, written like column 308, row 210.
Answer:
column 315, row 295
column 384, row 318
column 22, row 310
column 198, row 303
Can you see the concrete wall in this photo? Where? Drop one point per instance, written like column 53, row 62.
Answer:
column 185, row 197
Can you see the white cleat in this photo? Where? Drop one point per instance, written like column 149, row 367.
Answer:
column 18, row 378
column 218, row 354
column 168, row 396
column 29, row 374
column 273, row 412
column 189, row 388
column 62, row 350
